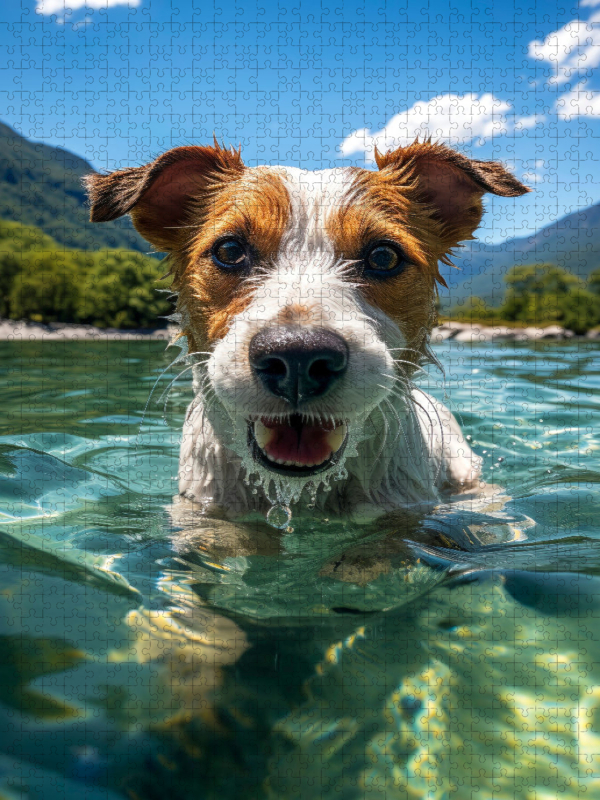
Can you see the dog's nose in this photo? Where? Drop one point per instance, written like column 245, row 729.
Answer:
column 298, row 363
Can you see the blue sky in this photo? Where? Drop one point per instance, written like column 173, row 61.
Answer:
column 317, row 84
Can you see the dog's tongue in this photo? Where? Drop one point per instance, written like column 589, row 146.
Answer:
column 297, row 443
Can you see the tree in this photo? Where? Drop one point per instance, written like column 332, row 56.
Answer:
column 580, row 310
column 44, row 282
column 594, row 282
column 536, row 293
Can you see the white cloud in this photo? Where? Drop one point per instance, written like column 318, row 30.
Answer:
column 589, row 3
column 578, row 103
column 522, row 123
column 535, row 174
column 532, row 178
column 48, row 7
column 449, row 117
column 572, row 48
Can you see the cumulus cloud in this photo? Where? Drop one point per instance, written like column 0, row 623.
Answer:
column 62, row 7
column 572, row 48
column 449, row 117
column 578, row 103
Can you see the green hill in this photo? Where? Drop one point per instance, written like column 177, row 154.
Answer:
column 41, row 185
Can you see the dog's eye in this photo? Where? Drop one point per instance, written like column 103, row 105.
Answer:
column 384, row 259
column 230, row 254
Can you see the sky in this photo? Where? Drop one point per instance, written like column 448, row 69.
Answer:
column 318, row 85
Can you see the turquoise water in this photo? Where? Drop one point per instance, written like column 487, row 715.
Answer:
column 147, row 652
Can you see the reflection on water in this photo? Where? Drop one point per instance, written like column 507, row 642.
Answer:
column 146, row 650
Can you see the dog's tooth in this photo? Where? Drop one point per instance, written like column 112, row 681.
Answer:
column 335, row 439
column 262, row 434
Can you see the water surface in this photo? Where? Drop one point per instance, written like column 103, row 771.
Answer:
column 148, row 652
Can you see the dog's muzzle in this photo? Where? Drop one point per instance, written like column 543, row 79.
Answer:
column 298, row 365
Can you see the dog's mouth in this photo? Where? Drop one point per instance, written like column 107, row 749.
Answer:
column 295, row 447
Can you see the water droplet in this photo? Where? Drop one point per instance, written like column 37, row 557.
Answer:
column 279, row 516
column 549, row 471
column 484, row 452
column 469, row 437
column 500, row 460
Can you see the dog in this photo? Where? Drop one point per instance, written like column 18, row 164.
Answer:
column 307, row 300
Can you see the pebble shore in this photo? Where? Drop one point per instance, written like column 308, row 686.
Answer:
column 454, row 331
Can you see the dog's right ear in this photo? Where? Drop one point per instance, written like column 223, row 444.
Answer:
column 159, row 195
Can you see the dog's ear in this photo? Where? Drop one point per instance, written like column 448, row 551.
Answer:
column 451, row 184
column 159, row 195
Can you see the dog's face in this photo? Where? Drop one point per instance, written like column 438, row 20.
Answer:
column 311, row 292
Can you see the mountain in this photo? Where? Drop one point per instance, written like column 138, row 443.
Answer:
column 572, row 242
column 41, row 185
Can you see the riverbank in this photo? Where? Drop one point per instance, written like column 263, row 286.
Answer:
column 454, row 331
column 36, row 331
column 476, row 333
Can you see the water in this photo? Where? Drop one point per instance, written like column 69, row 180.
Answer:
column 149, row 652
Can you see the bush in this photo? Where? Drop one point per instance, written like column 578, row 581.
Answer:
column 542, row 294
column 580, row 310
column 473, row 309
column 120, row 291
column 535, row 293
column 45, row 288
column 42, row 282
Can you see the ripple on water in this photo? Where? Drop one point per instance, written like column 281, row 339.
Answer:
column 147, row 651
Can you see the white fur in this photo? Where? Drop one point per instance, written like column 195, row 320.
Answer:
column 408, row 447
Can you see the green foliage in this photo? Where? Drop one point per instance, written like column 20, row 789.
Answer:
column 42, row 282
column 580, row 310
column 474, row 309
column 535, row 293
column 541, row 294
column 120, row 291
column 594, row 282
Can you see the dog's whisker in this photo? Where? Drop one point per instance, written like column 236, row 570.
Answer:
column 330, row 365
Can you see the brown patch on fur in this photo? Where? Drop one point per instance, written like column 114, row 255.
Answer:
column 383, row 209
column 294, row 314
column 182, row 203
column 426, row 198
column 253, row 207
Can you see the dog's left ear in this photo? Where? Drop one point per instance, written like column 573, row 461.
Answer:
column 451, row 184
column 160, row 195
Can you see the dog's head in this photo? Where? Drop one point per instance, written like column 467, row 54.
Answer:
column 312, row 293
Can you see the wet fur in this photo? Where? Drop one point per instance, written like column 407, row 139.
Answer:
column 308, row 232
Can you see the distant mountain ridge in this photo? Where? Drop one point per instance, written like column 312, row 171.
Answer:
column 41, row 185
column 572, row 242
